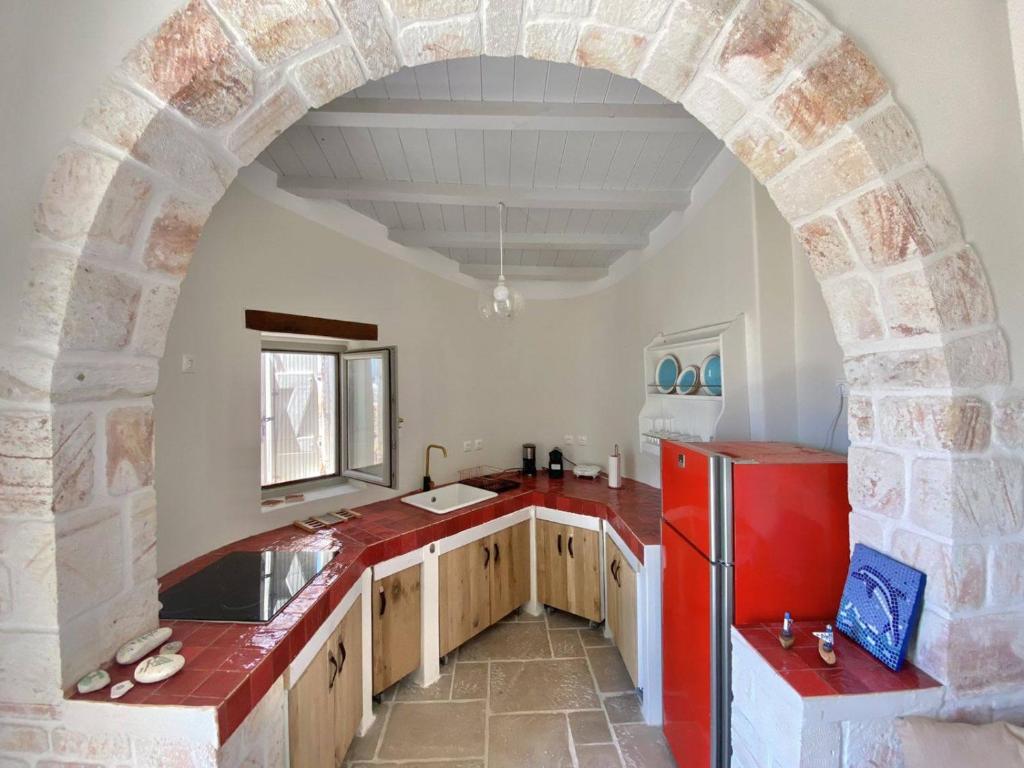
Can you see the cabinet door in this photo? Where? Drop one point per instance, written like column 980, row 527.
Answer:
column 552, row 572
column 626, row 638
column 348, row 687
column 396, row 627
column 583, row 565
column 510, row 570
column 463, row 577
column 311, row 712
column 611, row 587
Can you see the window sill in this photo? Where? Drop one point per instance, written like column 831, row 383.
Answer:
column 342, row 488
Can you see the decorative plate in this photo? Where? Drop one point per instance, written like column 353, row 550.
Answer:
column 712, row 374
column 881, row 605
column 688, row 382
column 666, row 373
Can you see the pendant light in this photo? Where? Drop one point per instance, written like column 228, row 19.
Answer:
column 502, row 303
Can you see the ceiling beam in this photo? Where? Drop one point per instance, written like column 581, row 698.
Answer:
column 490, row 272
column 530, row 241
column 491, row 115
column 323, row 188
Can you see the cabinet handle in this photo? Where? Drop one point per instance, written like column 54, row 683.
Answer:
column 334, row 670
column 343, row 653
column 497, row 553
column 618, row 571
column 570, row 547
column 612, row 567
column 487, row 556
column 559, row 543
column 681, row 460
column 383, row 601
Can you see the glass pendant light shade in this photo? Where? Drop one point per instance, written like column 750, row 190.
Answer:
column 501, row 303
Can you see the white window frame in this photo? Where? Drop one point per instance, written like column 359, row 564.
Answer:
column 390, row 469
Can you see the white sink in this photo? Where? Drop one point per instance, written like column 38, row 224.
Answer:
column 448, row 498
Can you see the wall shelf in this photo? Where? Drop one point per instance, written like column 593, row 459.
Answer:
column 700, row 417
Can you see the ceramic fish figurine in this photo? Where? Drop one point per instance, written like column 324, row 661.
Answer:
column 826, row 647
column 94, row 681
column 786, row 634
column 135, row 649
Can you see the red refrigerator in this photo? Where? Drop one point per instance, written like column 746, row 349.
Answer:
column 749, row 531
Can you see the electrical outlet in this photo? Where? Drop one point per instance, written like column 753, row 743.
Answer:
column 567, row 439
column 581, row 439
column 478, row 444
column 188, row 364
column 467, row 446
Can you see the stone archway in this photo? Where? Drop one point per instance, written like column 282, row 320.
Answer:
column 792, row 96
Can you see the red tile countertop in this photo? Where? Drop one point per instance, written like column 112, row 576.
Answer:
column 856, row 671
column 231, row 666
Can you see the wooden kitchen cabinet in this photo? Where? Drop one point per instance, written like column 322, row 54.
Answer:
column 621, row 612
column 325, row 705
column 568, row 569
column 396, row 627
column 481, row 583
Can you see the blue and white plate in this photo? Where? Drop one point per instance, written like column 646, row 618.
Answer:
column 712, row 369
column 666, row 373
column 688, row 382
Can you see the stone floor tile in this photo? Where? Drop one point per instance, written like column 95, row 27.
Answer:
column 624, row 708
column 594, row 636
column 431, row 764
column 365, row 747
column 598, row 756
column 644, row 746
column 470, row 680
column 509, row 640
column 565, row 643
column 609, row 671
column 428, row 730
column 547, row 744
column 532, row 686
column 589, row 727
column 563, row 620
column 408, row 690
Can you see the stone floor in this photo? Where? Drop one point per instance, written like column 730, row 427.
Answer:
column 530, row 692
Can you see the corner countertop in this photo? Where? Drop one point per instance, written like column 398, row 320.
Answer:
column 230, row 666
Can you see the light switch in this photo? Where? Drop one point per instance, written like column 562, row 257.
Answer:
column 478, row 444
column 567, row 439
column 581, row 440
column 188, row 364
column 467, row 446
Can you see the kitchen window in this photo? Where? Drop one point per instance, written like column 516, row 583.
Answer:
column 325, row 414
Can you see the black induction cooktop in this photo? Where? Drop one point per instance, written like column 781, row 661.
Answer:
column 243, row 586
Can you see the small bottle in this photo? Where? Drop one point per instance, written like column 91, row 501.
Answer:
column 829, row 638
column 786, row 634
column 826, row 646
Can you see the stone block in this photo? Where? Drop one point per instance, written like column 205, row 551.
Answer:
column 958, row 424
column 839, row 85
column 978, row 360
column 615, row 50
column 103, row 747
column 74, row 461
column 173, row 237
column 84, row 380
column 550, row 40
column 968, row 498
column 826, row 247
column 143, row 534
column 370, row 34
column 956, row 572
column 27, row 560
column 762, row 148
column 853, row 306
column 190, row 63
column 45, row 299
column 118, row 117
column 441, row 40
column 90, row 560
column 33, row 684
column 265, row 123
column 101, row 311
column 129, row 449
column 861, row 418
column 867, row 530
column 711, row 102
column 23, row 739
column 1009, row 421
column 1007, row 587
column 877, row 482
column 502, row 24
column 329, row 75
column 419, row 10
column 906, row 219
column 155, row 313
column 947, row 295
column 572, row 8
column 985, row 653
column 279, row 30
column 766, row 41
column 94, row 199
column 26, row 470
column 642, row 15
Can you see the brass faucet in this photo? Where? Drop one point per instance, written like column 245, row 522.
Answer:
column 427, row 482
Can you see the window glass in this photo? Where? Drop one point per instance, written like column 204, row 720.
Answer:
column 367, row 411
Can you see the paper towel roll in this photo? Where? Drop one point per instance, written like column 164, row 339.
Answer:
column 614, row 471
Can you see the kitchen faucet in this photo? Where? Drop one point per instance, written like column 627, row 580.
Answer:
column 427, row 482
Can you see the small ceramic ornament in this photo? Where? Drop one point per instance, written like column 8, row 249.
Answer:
column 826, row 647
column 135, row 649
column 172, row 647
column 120, row 689
column 94, row 681
column 158, row 668
column 786, row 633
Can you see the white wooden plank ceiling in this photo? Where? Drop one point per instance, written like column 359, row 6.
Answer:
column 587, row 162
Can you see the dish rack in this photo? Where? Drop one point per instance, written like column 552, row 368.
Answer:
column 490, row 478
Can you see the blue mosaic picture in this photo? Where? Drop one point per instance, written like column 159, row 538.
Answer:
column 881, row 604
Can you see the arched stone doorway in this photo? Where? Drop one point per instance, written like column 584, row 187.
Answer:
column 794, row 99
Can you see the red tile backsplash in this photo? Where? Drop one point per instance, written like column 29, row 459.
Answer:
column 231, row 666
